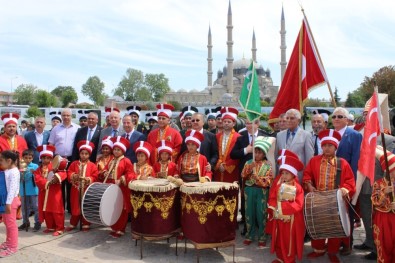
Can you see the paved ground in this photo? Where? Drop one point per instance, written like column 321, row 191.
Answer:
column 97, row 246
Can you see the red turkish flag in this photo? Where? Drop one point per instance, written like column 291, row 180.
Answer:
column 368, row 147
column 304, row 72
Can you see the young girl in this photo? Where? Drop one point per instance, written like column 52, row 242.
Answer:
column 191, row 164
column 49, row 183
column 257, row 176
column 384, row 210
column 119, row 171
column 82, row 172
column 164, row 167
column 105, row 158
column 9, row 163
column 142, row 169
column 286, row 211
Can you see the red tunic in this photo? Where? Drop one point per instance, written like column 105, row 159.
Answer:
column 101, row 164
column 49, row 196
column 287, row 237
column 171, row 135
column 144, row 170
column 170, row 168
column 231, row 166
column 19, row 144
column 202, row 166
column 123, row 168
column 90, row 171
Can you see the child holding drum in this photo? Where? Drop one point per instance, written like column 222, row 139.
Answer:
column 105, row 158
column 142, row 169
column 119, row 171
column 80, row 174
column 286, row 199
column 164, row 167
column 257, row 176
column 384, row 210
column 50, row 201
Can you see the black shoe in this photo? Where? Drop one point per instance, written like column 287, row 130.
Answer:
column 362, row 247
column 37, row 227
column 371, row 256
column 243, row 233
column 31, row 213
column 23, row 226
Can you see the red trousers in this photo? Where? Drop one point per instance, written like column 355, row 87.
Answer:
column 74, row 220
column 384, row 236
column 120, row 225
column 54, row 221
column 333, row 244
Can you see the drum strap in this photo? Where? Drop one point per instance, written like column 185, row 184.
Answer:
column 338, row 172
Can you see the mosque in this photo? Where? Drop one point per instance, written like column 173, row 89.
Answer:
column 225, row 90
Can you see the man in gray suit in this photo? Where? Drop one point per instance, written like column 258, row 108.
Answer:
column 295, row 139
column 114, row 130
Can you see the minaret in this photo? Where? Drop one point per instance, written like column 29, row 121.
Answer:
column 283, row 46
column 253, row 49
column 229, row 58
column 209, row 59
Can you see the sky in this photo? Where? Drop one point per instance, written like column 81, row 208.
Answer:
column 51, row 43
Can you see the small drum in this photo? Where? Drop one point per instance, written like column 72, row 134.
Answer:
column 326, row 215
column 59, row 163
column 155, row 207
column 102, row 204
column 209, row 212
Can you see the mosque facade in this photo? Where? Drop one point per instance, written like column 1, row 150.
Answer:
column 225, row 90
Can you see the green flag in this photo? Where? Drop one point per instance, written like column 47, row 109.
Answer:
column 249, row 96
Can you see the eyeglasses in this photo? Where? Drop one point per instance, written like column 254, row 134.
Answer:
column 195, row 120
column 338, row 117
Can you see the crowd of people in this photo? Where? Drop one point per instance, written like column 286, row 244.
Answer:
column 206, row 147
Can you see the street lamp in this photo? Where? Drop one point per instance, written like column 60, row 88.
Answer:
column 12, row 80
column 12, row 101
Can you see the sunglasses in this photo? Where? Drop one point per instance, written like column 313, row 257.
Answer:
column 195, row 120
column 338, row 117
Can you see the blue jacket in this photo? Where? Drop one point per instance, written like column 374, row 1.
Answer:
column 32, row 144
column 31, row 188
column 349, row 148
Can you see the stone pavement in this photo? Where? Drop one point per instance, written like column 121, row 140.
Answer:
column 97, row 246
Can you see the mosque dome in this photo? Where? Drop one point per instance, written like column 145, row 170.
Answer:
column 243, row 63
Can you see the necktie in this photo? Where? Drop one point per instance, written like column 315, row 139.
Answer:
column 115, row 133
column 290, row 138
column 316, row 146
column 127, row 136
column 90, row 134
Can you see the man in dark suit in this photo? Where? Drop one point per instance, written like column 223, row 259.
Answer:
column 37, row 137
column 90, row 133
column 132, row 135
column 243, row 151
column 208, row 147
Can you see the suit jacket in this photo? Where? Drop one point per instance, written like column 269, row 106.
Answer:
column 82, row 134
column 136, row 136
column 30, row 138
column 208, row 148
column 349, row 148
column 242, row 142
column 108, row 132
column 301, row 145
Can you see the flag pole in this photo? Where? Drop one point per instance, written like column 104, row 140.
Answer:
column 319, row 57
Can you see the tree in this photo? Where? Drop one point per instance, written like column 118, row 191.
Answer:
column 177, row 105
column 43, row 98
column 354, row 100
column 94, row 88
column 131, row 82
column 315, row 103
column 336, row 96
column 157, row 84
column 66, row 94
column 143, row 94
column 384, row 78
column 33, row 111
column 24, row 94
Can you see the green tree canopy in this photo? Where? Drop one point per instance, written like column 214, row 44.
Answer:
column 24, row 94
column 131, row 82
column 43, row 98
column 336, row 96
column 94, row 89
column 143, row 94
column 157, row 84
column 66, row 94
column 177, row 105
column 33, row 111
column 354, row 100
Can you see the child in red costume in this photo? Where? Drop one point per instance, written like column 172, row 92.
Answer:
column 286, row 199
column 164, row 167
column 105, row 158
column 119, row 171
column 50, row 201
column 80, row 174
column 142, row 169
